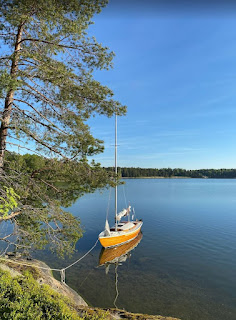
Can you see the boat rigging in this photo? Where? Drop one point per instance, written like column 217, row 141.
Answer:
column 122, row 231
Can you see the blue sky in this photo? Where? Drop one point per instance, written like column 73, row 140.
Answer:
column 176, row 72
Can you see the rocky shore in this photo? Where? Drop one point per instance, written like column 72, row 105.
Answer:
column 45, row 276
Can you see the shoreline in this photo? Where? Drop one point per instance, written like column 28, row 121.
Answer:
column 174, row 177
column 154, row 177
column 42, row 275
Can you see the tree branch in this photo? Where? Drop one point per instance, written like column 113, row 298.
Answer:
column 10, row 216
column 36, row 120
column 40, row 114
column 45, row 99
column 49, row 42
column 50, row 185
column 35, row 138
column 5, row 58
column 20, row 146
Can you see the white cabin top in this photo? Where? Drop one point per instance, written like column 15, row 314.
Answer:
column 125, row 226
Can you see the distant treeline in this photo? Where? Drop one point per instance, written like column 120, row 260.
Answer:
column 126, row 172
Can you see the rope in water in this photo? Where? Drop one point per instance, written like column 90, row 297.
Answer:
column 62, row 271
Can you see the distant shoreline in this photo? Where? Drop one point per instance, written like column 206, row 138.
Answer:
column 177, row 173
column 160, row 178
column 175, row 178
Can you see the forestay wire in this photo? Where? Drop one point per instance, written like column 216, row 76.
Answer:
column 62, row 271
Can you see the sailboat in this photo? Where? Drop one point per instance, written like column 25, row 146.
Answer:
column 123, row 231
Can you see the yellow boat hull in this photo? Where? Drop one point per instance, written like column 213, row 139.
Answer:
column 109, row 254
column 112, row 241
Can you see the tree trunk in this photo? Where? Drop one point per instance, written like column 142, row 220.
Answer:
column 9, row 97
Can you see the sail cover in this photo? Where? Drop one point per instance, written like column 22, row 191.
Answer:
column 107, row 229
column 123, row 213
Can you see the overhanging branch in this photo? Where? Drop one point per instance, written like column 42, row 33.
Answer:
column 49, row 42
column 40, row 114
column 36, row 120
column 35, row 138
column 10, row 216
column 43, row 97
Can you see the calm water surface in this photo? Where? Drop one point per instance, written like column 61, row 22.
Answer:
column 185, row 264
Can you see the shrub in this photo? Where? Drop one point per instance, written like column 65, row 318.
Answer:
column 23, row 298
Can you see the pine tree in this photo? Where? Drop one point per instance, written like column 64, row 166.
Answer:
column 48, row 93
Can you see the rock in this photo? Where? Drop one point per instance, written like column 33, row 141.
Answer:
column 116, row 314
column 42, row 276
column 12, row 272
column 45, row 276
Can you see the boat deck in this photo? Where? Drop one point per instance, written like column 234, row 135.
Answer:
column 125, row 226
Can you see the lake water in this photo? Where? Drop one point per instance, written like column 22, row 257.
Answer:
column 185, row 264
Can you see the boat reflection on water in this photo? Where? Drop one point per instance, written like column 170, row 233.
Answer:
column 117, row 256
column 120, row 253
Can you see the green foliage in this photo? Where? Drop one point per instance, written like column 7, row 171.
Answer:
column 9, row 203
column 7, row 82
column 48, row 93
column 45, row 186
column 66, row 181
column 97, row 315
column 52, row 78
column 23, row 298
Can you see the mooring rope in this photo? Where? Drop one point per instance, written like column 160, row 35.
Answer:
column 82, row 256
column 62, row 271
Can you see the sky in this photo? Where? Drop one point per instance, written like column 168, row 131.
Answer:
column 175, row 69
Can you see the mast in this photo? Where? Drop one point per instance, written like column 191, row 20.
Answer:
column 116, row 170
